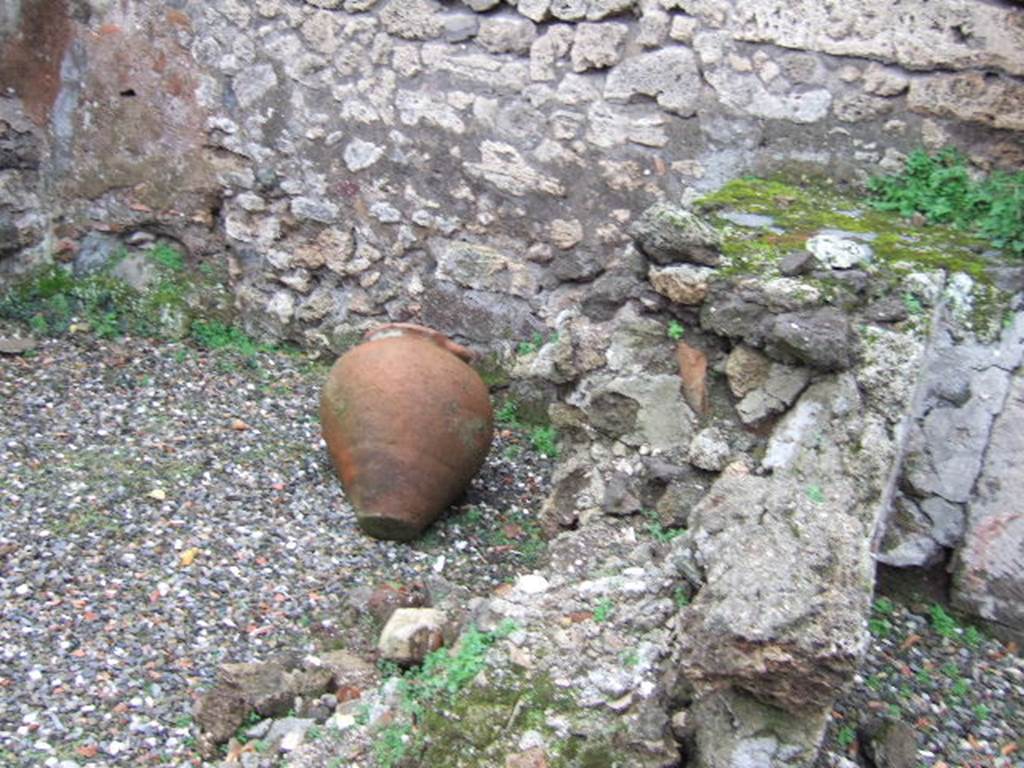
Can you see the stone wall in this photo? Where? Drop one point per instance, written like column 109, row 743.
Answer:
column 473, row 165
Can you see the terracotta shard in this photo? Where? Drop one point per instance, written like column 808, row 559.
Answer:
column 693, row 369
column 407, row 423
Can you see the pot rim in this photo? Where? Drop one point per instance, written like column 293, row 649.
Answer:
column 393, row 330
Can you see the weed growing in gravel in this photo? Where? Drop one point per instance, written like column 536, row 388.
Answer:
column 603, row 610
column 443, row 675
column 681, row 597
column 940, row 187
column 675, row 330
column 658, row 531
column 215, row 335
column 544, row 440
column 878, row 624
column 943, row 624
column 846, row 736
column 508, row 414
column 534, row 343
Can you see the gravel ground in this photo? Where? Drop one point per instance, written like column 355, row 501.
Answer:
column 961, row 692
column 163, row 509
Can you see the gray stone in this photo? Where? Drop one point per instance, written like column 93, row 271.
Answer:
column 765, row 623
column 746, row 369
column 288, row 732
column 95, row 252
column 506, row 35
column 989, row 577
column 597, row 46
column 924, row 39
column 16, row 346
column 709, row 450
column 838, row 252
column 780, row 388
column 797, row 263
column 569, row 10
column 503, row 166
column 728, row 314
column 481, row 5
column 820, row 338
column 552, row 46
column 411, row 633
column 311, row 209
column 536, row 10
column 907, row 541
column 460, row 26
column 647, row 410
column 734, row 730
column 599, row 9
column 947, row 521
column 360, row 155
column 889, row 743
column 954, row 440
column 253, row 83
column 669, row 76
column 137, row 271
column 608, row 293
column 412, row 19
column 970, row 97
column 477, row 315
column 482, row 267
column 667, row 234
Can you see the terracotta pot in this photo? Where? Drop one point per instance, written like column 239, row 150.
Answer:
column 407, row 423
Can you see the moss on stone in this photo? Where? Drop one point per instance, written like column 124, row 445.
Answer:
column 899, row 246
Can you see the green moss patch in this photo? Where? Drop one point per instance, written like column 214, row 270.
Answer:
column 53, row 301
column 900, row 247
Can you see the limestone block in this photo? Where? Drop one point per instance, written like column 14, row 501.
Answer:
column 411, row 633
column 484, row 268
column 669, row 76
column 412, row 19
column 944, row 34
column 502, row 35
column 597, row 46
column 684, row 283
column 989, row 575
column 973, row 97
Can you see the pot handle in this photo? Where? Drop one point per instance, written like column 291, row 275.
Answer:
column 411, row 329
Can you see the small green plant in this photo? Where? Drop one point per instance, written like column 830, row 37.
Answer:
column 658, row 531
column 508, row 414
column 912, row 304
column 512, row 452
column 972, row 637
column 874, row 682
column 443, row 674
column 879, row 627
column 845, row 736
column 532, row 344
column 924, row 677
column 940, row 187
column 167, row 257
column 981, row 711
column 544, row 440
column 943, row 624
column 815, row 494
column 894, row 711
column 675, row 330
column 603, row 610
column 630, row 658
column 215, row 335
column 681, row 597
column 313, row 733
column 950, row 669
column 884, row 606
column 960, row 688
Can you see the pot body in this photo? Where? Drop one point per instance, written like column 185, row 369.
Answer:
column 407, row 424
